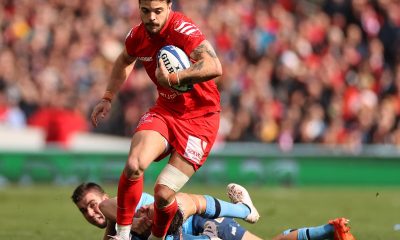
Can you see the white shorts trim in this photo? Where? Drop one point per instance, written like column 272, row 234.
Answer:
column 167, row 145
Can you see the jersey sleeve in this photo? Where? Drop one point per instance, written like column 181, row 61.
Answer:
column 187, row 35
column 132, row 39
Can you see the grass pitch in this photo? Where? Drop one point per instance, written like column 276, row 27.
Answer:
column 46, row 212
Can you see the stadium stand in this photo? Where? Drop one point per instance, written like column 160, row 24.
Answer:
column 295, row 71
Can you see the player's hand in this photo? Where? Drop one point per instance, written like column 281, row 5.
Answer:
column 162, row 74
column 101, row 109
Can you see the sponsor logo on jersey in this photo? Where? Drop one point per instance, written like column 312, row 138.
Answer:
column 187, row 28
column 145, row 59
column 195, row 148
column 170, row 96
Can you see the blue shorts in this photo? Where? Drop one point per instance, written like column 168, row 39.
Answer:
column 227, row 227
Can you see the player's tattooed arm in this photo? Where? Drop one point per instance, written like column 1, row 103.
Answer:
column 204, row 48
column 198, row 65
column 207, row 65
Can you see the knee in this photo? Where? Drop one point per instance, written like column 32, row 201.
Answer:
column 163, row 195
column 133, row 168
column 107, row 207
column 104, row 205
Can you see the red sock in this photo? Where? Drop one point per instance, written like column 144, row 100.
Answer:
column 129, row 193
column 163, row 218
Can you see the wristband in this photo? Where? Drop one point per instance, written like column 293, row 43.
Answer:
column 108, row 96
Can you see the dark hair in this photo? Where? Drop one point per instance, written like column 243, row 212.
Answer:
column 83, row 188
column 176, row 225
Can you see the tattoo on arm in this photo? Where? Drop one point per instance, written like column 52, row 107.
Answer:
column 211, row 52
column 203, row 48
column 198, row 52
column 206, row 63
column 198, row 65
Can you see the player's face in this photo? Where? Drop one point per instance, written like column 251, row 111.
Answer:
column 154, row 14
column 146, row 211
column 89, row 207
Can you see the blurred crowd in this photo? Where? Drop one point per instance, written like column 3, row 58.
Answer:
column 294, row 71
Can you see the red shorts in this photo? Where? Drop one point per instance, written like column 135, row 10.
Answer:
column 191, row 138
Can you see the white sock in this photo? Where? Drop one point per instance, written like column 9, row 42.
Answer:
column 124, row 231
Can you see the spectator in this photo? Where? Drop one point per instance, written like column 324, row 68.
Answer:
column 303, row 71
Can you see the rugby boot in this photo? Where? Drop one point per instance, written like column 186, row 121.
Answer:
column 239, row 194
column 342, row 230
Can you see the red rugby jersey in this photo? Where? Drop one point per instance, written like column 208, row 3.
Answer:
column 181, row 32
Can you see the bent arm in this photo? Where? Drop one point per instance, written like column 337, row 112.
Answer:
column 206, row 67
column 109, row 209
column 110, row 230
column 118, row 73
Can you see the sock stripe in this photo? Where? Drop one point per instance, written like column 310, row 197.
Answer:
column 163, row 218
column 308, row 234
column 217, row 208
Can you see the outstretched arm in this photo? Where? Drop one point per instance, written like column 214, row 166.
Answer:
column 118, row 76
column 118, row 73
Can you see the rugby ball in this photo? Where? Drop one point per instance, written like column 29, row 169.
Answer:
column 175, row 60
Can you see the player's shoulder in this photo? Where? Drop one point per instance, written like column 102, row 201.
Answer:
column 182, row 24
column 178, row 17
column 137, row 31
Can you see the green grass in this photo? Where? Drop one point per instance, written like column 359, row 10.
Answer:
column 46, row 212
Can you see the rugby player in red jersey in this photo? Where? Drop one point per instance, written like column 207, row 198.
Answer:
column 182, row 125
